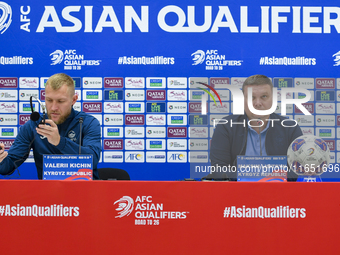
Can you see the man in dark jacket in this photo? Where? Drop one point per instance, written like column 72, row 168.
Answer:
column 60, row 134
column 251, row 134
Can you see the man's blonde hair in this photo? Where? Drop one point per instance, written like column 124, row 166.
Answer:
column 60, row 79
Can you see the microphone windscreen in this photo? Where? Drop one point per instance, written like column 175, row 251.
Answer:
column 35, row 116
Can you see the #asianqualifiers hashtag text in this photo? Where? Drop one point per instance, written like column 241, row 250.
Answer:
column 157, row 60
column 39, row 211
column 284, row 212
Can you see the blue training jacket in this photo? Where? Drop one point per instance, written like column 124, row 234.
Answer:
column 69, row 143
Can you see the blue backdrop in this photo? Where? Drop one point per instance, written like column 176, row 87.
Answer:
column 120, row 51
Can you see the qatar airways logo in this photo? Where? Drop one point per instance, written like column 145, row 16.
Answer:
column 113, row 144
column 155, row 95
column 42, row 95
column 195, row 107
column 8, row 82
column 219, row 82
column 23, row 118
column 330, row 144
column 177, row 132
column 113, row 82
column 7, row 142
column 134, row 119
column 92, row 107
column 325, row 83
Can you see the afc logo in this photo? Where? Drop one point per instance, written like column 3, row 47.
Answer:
column 134, row 157
column 177, row 157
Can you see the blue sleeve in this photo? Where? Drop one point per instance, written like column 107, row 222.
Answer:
column 19, row 150
column 91, row 142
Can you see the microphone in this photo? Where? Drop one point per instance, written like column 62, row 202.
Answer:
column 259, row 121
column 81, row 120
column 35, row 115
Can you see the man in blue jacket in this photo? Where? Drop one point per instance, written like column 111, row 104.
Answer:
column 272, row 138
column 60, row 134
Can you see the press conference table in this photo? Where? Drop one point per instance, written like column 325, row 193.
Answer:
column 154, row 217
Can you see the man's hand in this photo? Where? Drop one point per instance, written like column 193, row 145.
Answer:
column 51, row 132
column 3, row 153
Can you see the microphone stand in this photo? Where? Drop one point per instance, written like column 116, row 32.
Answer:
column 81, row 120
column 259, row 121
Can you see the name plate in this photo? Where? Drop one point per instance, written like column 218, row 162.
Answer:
column 315, row 178
column 67, row 167
column 262, row 168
